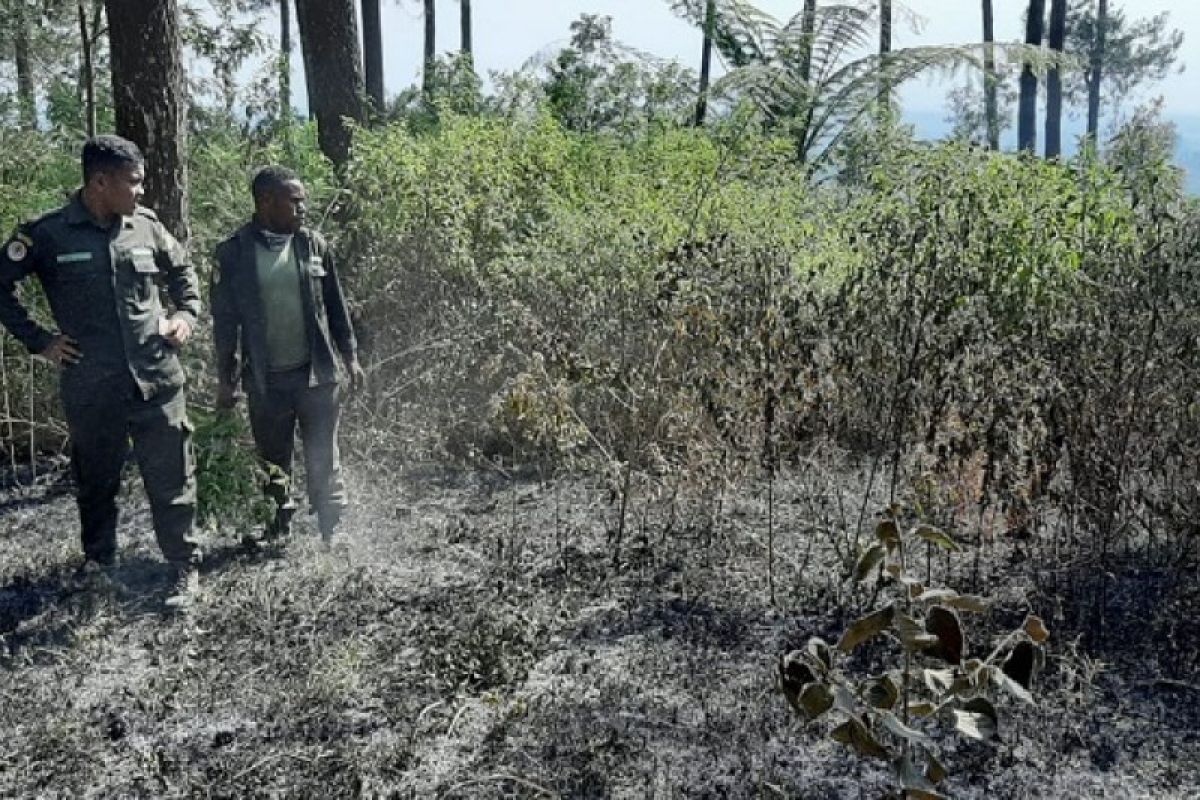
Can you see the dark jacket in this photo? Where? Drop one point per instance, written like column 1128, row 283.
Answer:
column 239, row 325
column 102, row 284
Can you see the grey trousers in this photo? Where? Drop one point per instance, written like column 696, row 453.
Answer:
column 288, row 403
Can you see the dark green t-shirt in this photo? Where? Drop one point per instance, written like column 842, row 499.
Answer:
column 283, row 306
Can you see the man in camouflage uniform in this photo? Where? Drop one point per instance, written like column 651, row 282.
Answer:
column 101, row 259
column 277, row 302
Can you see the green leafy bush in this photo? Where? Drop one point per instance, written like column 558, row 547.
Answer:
column 934, row 681
column 229, row 477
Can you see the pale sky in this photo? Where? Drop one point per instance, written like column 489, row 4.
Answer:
column 508, row 32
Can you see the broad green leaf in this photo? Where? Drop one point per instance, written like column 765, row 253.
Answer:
column 888, row 534
column 1019, row 666
column 794, row 674
column 965, row 683
column 911, row 633
column 937, row 537
column 976, row 719
column 1003, row 681
column 871, row 558
column 854, row 733
column 976, row 726
column 863, row 629
column 943, row 623
column 922, row 708
column 815, row 699
column 883, row 693
column 935, row 771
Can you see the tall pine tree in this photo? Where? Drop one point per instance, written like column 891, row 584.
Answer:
column 150, row 99
column 373, row 53
column 1035, row 23
column 991, row 103
column 1054, row 83
column 333, row 71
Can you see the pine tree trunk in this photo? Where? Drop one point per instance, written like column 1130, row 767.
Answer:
column 1054, row 96
column 1027, row 119
column 465, row 21
column 885, row 27
column 87, row 66
column 150, row 99
column 808, row 26
column 332, row 71
column 991, row 111
column 1096, row 71
column 285, row 61
column 373, row 53
column 430, row 50
column 710, row 25
column 26, row 98
column 885, row 48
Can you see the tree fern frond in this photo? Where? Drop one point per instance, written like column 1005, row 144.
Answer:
column 839, row 30
column 744, row 33
column 774, row 89
column 857, row 87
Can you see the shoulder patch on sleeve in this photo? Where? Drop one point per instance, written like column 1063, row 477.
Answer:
column 16, row 250
column 19, row 245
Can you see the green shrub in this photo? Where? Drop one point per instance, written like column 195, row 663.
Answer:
column 229, row 477
column 933, row 682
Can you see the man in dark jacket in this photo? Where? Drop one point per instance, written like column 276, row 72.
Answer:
column 277, row 303
column 101, row 259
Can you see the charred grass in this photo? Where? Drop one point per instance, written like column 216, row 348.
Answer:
column 477, row 638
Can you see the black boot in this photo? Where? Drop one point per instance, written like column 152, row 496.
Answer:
column 281, row 526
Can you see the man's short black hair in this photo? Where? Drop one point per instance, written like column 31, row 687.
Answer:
column 270, row 179
column 106, row 153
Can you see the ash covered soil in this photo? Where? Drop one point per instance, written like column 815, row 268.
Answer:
column 478, row 636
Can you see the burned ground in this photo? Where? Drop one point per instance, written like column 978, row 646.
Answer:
column 475, row 637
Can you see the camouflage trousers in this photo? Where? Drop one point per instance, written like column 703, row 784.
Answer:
column 102, row 422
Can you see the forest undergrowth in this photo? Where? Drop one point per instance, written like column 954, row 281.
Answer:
column 682, row 472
